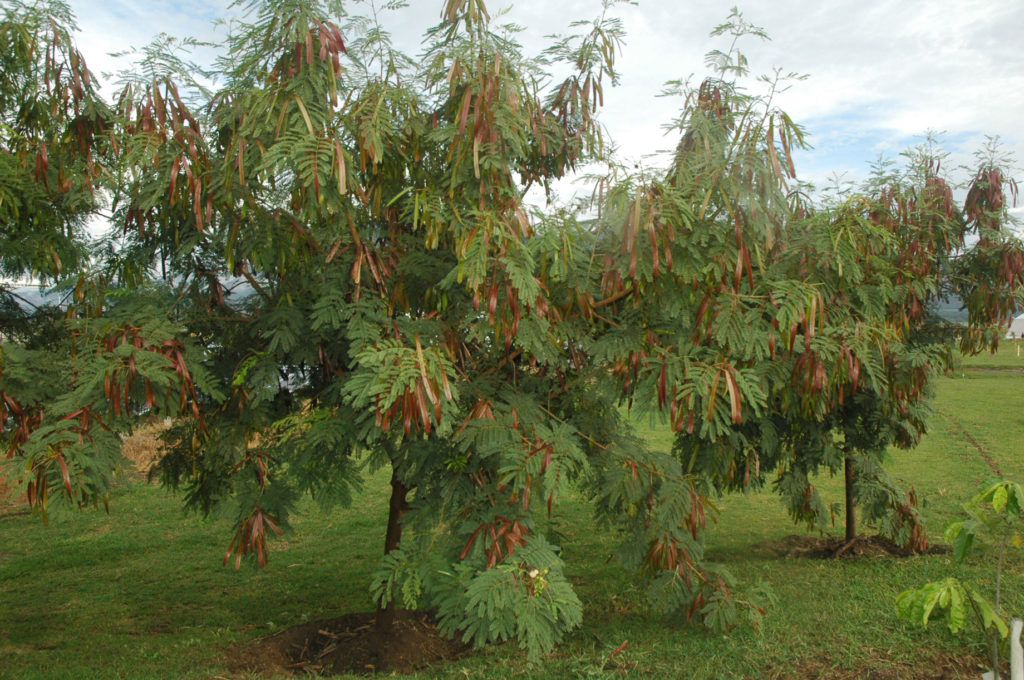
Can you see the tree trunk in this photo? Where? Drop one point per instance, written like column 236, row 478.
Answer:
column 398, row 505
column 851, row 512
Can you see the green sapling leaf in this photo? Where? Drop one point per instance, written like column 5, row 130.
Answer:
column 999, row 497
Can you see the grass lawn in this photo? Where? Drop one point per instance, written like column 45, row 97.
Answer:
column 141, row 593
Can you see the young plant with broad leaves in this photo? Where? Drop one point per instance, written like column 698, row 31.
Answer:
column 993, row 516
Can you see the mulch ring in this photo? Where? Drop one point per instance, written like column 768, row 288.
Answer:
column 347, row 643
column 832, row 547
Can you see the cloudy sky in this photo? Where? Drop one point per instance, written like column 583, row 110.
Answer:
column 881, row 72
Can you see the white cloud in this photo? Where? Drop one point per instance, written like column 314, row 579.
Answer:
column 881, row 71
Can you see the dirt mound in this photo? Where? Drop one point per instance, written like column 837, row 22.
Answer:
column 347, row 643
column 829, row 547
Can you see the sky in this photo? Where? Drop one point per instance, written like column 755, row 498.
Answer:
column 881, row 73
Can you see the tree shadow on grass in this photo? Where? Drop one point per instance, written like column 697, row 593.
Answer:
column 834, row 547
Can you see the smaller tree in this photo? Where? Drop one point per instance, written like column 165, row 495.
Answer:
column 858, row 360
column 932, row 256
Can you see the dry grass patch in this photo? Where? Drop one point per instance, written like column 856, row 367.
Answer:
column 143, row 447
column 7, row 495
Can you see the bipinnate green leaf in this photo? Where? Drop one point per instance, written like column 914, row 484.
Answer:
column 526, row 598
column 401, row 575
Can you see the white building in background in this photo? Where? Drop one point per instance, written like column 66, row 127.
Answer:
column 1016, row 329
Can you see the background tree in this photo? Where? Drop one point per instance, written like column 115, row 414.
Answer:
column 52, row 139
column 777, row 337
column 915, row 251
column 686, row 313
column 55, row 139
column 53, row 132
column 71, row 376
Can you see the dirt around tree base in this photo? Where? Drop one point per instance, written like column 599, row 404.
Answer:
column 347, row 643
column 830, row 547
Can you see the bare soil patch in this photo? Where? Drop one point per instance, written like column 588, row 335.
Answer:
column 347, row 643
column 833, row 547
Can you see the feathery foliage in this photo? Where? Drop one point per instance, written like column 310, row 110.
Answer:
column 326, row 262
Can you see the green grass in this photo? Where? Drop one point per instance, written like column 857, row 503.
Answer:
column 1010, row 355
column 141, row 593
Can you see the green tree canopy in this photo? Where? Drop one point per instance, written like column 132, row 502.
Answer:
column 53, row 134
column 327, row 263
